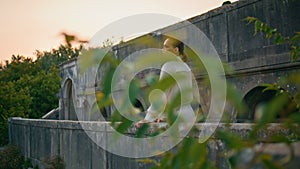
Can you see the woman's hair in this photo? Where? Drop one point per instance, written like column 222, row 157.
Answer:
column 180, row 45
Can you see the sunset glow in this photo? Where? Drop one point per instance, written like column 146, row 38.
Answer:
column 27, row 26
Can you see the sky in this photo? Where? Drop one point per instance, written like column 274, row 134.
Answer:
column 30, row 25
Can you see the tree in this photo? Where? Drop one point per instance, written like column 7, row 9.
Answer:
column 29, row 88
column 56, row 56
column 13, row 103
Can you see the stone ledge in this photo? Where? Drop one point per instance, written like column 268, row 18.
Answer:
column 241, row 129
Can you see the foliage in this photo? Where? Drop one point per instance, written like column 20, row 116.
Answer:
column 189, row 154
column 54, row 162
column 29, row 88
column 47, row 59
column 27, row 163
column 293, row 42
column 242, row 152
column 11, row 158
column 239, row 151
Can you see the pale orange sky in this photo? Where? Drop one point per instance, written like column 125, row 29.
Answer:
column 29, row 25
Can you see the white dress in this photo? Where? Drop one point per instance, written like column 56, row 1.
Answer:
column 181, row 72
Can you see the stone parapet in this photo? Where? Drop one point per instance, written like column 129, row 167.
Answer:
column 41, row 139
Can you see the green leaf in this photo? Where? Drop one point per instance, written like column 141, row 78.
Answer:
column 295, row 117
column 134, row 90
column 278, row 39
column 232, row 140
column 271, row 164
column 142, row 131
column 124, row 125
column 250, row 19
column 270, row 87
column 107, row 88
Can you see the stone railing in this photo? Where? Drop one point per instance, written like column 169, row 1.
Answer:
column 41, row 139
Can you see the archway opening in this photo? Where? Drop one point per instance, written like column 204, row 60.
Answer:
column 70, row 113
column 261, row 96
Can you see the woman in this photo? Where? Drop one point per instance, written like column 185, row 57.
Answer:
column 159, row 99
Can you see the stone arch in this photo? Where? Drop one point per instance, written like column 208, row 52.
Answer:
column 68, row 101
column 257, row 97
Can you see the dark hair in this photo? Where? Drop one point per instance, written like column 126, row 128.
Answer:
column 180, row 45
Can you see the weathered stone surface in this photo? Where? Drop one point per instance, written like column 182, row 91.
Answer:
column 255, row 59
column 80, row 149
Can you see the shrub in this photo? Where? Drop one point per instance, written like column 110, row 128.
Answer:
column 11, row 157
column 54, row 162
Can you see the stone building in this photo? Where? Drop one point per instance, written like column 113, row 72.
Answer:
column 255, row 60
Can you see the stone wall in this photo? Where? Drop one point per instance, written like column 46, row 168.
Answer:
column 235, row 42
column 233, row 39
column 255, row 59
column 42, row 139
